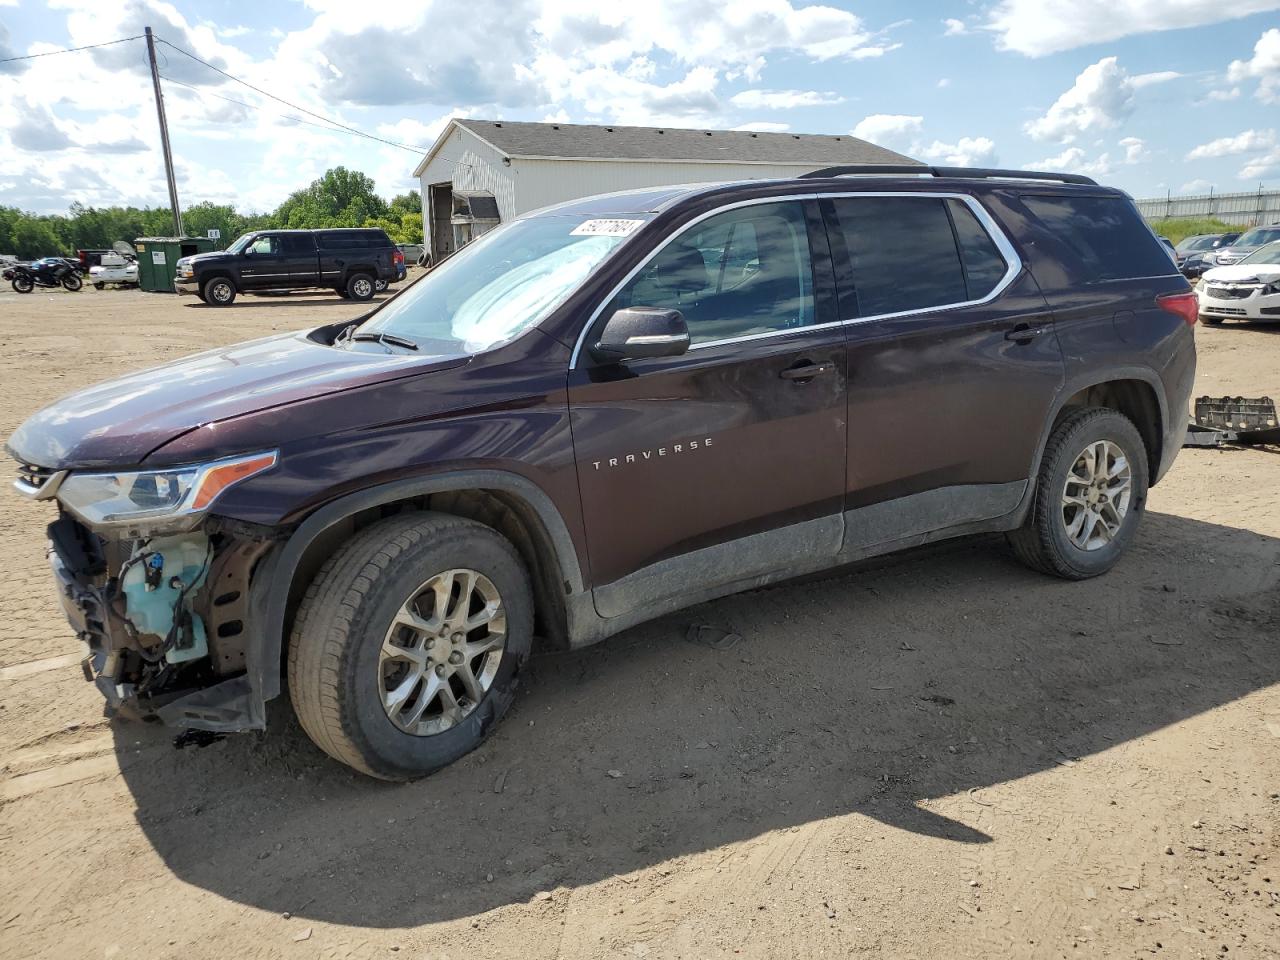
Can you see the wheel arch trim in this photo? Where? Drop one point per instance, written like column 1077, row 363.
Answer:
column 271, row 588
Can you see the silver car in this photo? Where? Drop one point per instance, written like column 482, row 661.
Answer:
column 1249, row 241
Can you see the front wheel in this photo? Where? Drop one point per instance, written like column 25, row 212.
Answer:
column 72, row 282
column 360, row 287
column 1090, row 495
column 219, row 292
column 98, row 285
column 22, row 284
column 408, row 645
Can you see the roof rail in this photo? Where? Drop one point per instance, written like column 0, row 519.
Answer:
column 959, row 173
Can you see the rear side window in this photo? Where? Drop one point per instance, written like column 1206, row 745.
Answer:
column 350, row 240
column 902, row 252
column 984, row 267
column 1106, row 234
column 296, row 244
column 376, row 238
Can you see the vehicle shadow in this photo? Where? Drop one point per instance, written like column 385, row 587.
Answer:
column 250, row 302
column 945, row 670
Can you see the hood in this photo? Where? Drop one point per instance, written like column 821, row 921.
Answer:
column 1245, row 273
column 119, row 422
column 204, row 257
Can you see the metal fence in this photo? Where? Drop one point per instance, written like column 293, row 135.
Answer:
column 1243, row 209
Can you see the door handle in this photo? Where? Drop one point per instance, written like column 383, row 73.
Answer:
column 807, row 371
column 1025, row 333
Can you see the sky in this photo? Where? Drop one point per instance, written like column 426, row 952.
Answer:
column 1178, row 96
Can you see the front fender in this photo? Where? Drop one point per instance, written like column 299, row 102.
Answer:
column 272, row 583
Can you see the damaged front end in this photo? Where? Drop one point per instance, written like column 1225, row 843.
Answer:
column 157, row 588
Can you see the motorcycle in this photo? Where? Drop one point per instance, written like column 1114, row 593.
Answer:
column 48, row 272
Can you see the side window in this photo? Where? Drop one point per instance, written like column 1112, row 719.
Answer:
column 297, row 244
column 902, row 253
column 738, row 273
column 1105, row 233
column 984, row 267
column 268, row 244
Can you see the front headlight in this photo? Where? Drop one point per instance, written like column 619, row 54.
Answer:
column 1272, row 287
column 178, row 494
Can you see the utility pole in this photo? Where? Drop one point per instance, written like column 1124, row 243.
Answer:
column 164, row 135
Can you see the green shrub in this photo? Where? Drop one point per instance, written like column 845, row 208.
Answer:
column 1177, row 228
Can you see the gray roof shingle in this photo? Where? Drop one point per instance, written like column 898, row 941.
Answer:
column 570, row 140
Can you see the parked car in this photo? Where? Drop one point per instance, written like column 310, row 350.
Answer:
column 1248, row 290
column 112, row 268
column 1190, row 252
column 1245, row 244
column 597, row 414
column 352, row 262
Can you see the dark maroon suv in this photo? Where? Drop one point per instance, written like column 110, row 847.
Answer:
column 602, row 412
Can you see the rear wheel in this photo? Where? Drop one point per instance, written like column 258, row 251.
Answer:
column 218, row 292
column 1090, row 495
column 360, row 287
column 99, row 286
column 407, row 646
column 379, row 285
column 1210, row 321
column 22, row 284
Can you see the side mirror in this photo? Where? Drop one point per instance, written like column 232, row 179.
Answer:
column 637, row 333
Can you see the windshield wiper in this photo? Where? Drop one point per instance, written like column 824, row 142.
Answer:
column 377, row 336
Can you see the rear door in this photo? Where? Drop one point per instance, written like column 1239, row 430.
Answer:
column 953, row 363
column 728, row 462
column 263, row 265
column 299, row 251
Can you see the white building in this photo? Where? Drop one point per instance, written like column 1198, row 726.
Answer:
column 483, row 172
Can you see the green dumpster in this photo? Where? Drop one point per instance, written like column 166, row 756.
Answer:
column 157, row 257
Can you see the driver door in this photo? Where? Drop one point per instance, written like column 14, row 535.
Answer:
column 263, row 264
column 701, row 473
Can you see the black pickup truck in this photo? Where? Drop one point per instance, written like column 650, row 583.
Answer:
column 354, row 263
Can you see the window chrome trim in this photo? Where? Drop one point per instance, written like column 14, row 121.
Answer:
column 988, row 223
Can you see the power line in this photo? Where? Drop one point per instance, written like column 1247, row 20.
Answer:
column 294, row 106
column 50, row 53
column 252, row 106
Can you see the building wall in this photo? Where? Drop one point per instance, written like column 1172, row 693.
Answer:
column 539, row 183
column 470, row 164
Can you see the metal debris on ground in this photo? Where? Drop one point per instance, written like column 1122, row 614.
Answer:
column 1233, row 420
column 713, row 637
column 196, row 738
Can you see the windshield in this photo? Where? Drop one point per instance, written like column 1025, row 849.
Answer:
column 241, row 243
column 1269, row 254
column 496, row 288
column 1258, row 236
column 1196, row 243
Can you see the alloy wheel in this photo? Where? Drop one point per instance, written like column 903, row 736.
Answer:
column 1096, row 495
column 221, row 291
column 362, row 287
column 442, row 652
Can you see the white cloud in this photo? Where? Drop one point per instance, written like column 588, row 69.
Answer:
column 764, row 126
column 966, row 152
column 1249, row 141
column 954, row 28
column 1040, row 27
column 1073, row 160
column 1100, row 98
column 1135, row 150
column 1141, row 80
column 784, row 99
column 1196, row 186
column 1232, row 94
column 895, row 131
column 944, row 82
column 1264, row 67
column 1265, row 166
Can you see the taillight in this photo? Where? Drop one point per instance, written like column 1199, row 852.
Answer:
column 1185, row 305
column 398, row 257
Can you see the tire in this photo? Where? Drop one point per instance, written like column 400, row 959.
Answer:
column 218, row 292
column 99, row 286
column 1044, row 542
column 360, row 286
column 72, row 282
column 23, row 284
column 380, row 285
column 1210, row 321
column 337, row 676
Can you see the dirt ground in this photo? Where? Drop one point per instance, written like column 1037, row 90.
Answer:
column 933, row 756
